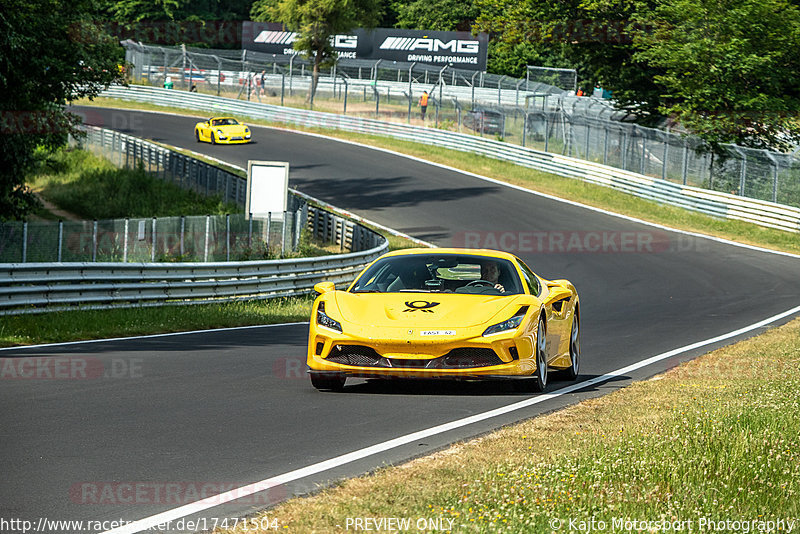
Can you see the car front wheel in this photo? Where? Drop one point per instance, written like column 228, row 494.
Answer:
column 538, row 382
column 197, row 135
column 213, row 139
column 571, row 373
column 328, row 383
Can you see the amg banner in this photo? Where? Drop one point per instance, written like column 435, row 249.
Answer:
column 457, row 49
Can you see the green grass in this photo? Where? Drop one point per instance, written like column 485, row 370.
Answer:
column 91, row 187
column 717, row 438
column 83, row 183
column 54, row 327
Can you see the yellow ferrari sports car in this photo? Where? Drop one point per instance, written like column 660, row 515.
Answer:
column 445, row 313
column 225, row 130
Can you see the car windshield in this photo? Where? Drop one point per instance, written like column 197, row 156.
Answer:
column 224, row 122
column 445, row 273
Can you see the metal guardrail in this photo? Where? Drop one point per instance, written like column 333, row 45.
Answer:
column 185, row 171
column 713, row 203
column 528, row 112
column 42, row 287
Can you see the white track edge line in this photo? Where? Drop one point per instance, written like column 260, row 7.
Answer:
column 543, row 195
column 244, row 491
column 485, row 178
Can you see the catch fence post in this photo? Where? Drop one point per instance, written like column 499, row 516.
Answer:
column 183, row 233
column 24, row 241
column 60, row 238
column 227, row 237
column 283, row 234
column 153, row 248
column 125, row 243
column 205, row 248
column 94, row 240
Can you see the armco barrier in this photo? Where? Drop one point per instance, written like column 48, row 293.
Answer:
column 41, row 287
column 712, row 203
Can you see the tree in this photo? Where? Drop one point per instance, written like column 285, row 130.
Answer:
column 725, row 69
column 316, row 21
column 436, row 15
column 729, row 68
column 50, row 53
column 592, row 36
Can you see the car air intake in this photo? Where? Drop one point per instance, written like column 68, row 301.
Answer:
column 469, row 357
column 356, row 355
column 461, row 358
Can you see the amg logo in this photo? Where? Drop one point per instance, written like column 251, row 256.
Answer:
column 431, row 45
column 345, row 41
column 268, row 37
column 287, row 38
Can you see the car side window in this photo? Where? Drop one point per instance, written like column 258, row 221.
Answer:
column 530, row 279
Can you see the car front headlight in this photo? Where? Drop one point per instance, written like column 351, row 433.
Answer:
column 221, row 134
column 324, row 320
column 508, row 324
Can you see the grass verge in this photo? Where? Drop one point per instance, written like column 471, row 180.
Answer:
column 87, row 181
column 714, row 439
column 91, row 187
column 585, row 193
column 55, row 327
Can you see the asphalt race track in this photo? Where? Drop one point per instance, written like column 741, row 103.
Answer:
column 168, row 416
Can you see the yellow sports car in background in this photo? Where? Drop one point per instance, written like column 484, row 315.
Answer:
column 225, row 130
column 445, row 313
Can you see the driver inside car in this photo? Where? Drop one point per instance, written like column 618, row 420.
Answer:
column 491, row 273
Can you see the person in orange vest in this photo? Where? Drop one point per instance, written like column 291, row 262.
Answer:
column 423, row 104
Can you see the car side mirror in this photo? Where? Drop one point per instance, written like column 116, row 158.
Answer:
column 324, row 287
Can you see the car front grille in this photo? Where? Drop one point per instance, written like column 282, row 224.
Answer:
column 356, row 355
column 470, row 357
column 461, row 358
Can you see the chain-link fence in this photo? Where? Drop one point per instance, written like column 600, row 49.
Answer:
column 520, row 111
column 203, row 238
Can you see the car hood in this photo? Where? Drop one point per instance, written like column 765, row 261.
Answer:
column 420, row 310
column 233, row 129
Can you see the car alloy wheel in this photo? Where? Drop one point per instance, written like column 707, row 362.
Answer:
column 571, row 373
column 540, row 382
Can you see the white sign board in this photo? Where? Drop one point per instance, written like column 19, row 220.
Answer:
column 267, row 188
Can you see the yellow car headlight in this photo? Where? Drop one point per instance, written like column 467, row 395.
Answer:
column 508, row 324
column 324, row 320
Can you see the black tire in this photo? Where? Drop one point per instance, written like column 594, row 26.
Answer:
column 540, row 378
column 213, row 139
column 328, row 383
column 538, row 382
column 197, row 135
column 571, row 373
